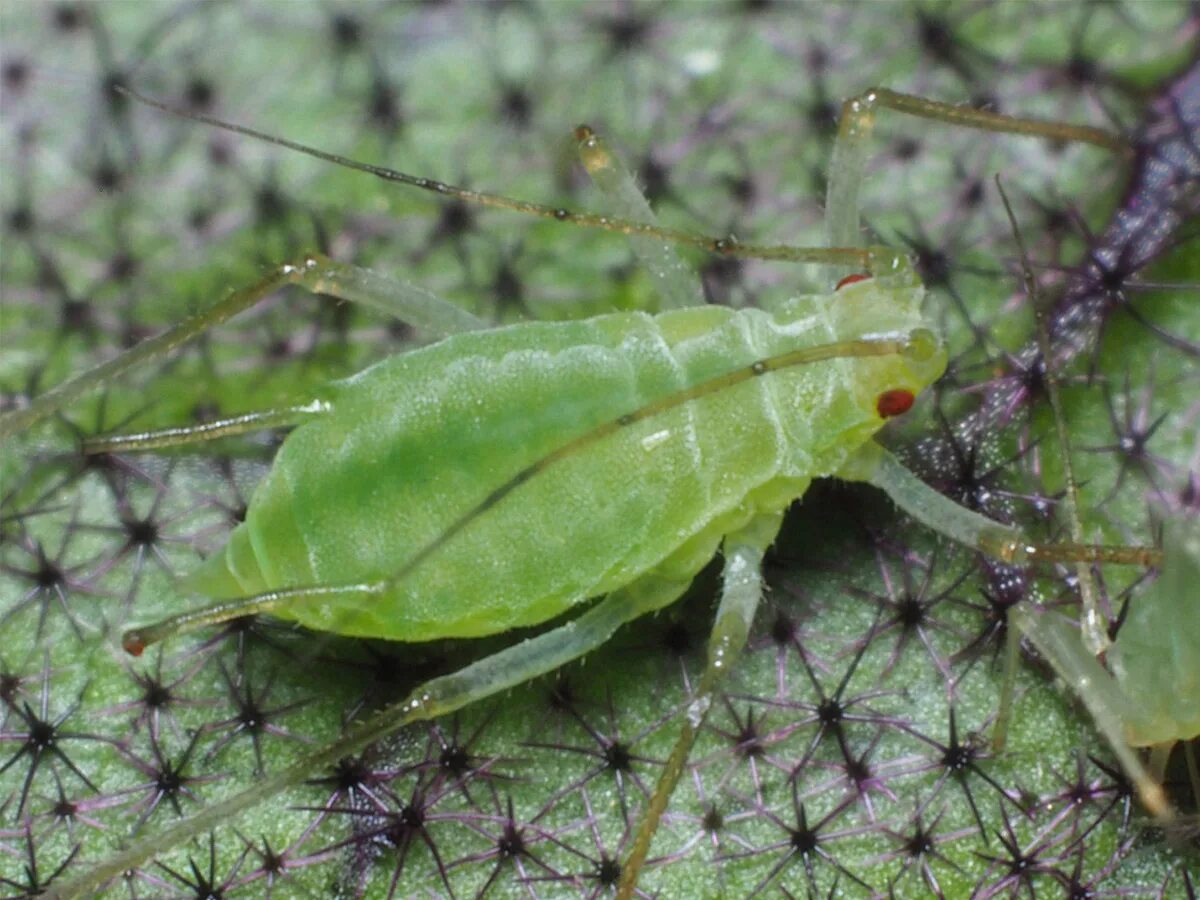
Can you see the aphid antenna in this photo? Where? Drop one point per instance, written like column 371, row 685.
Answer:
column 422, row 310
column 594, row 155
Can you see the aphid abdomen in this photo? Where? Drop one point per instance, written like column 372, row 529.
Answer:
column 418, row 442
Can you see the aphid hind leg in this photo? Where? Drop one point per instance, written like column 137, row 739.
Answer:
column 136, row 640
column 149, row 350
column 508, row 668
column 740, row 596
column 319, row 274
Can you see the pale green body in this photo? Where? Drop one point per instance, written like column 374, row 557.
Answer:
column 419, row 440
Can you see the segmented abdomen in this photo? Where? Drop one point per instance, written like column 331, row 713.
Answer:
column 417, row 445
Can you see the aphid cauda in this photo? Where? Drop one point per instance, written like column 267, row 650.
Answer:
column 803, row 389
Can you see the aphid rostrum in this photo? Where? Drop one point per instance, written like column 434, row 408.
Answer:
column 667, row 438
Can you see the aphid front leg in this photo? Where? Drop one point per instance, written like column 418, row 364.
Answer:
column 858, row 120
column 740, row 596
column 875, row 465
column 1080, row 669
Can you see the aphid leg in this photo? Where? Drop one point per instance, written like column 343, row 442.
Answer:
column 135, row 640
column 858, row 120
column 740, row 595
column 508, row 668
column 1053, row 639
column 875, row 465
column 1099, row 692
column 155, row 348
column 317, row 273
column 677, row 282
column 410, row 303
column 247, row 423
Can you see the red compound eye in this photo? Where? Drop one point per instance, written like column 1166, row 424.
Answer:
column 851, row 279
column 894, row 403
column 132, row 643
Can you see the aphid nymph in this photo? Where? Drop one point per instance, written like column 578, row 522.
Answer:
column 667, row 437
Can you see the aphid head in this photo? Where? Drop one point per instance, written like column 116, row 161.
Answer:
column 890, row 307
column 901, row 379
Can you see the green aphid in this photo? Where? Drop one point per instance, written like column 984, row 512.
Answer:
column 504, row 477
column 660, row 434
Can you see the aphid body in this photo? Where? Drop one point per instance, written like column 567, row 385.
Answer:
column 499, row 478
